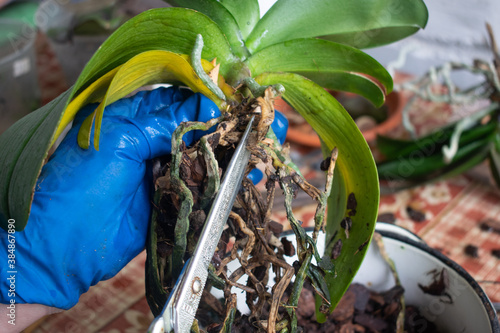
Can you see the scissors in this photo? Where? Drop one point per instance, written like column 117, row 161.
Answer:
column 180, row 309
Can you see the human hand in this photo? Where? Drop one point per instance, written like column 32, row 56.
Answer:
column 91, row 209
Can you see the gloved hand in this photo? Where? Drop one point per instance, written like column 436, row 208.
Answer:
column 280, row 126
column 91, row 209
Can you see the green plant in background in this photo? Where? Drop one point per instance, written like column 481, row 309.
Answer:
column 457, row 147
column 304, row 46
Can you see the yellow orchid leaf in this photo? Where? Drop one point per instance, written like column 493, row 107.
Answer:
column 92, row 94
column 146, row 68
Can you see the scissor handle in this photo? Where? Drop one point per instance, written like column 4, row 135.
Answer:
column 180, row 310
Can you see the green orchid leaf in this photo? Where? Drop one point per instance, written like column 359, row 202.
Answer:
column 465, row 164
column 394, row 148
column 331, row 65
column 356, row 22
column 24, row 147
column 356, row 174
column 432, row 143
column 494, row 159
column 373, row 38
column 496, row 142
column 169, row 29
column 246, row 13
column 156, row 295
column 220, row 15
column 455, row 169
column 419, row 166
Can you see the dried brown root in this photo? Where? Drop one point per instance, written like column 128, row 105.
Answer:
column 230, row 314
column 381, row 247
column 278, row 291
column 253, row 235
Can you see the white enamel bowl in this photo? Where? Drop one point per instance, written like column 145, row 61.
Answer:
column 470, row 310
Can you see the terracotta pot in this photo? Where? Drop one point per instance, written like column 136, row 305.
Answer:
column 395, row 103
column 302, row 133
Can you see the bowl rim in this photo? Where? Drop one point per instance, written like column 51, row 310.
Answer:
column 486, row 302
column 384, row 227
column 488, row 306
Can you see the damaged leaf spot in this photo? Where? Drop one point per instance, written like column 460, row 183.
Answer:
column 346, row 223
column 352, row 204
column 325, row 164
column 351, row 201
column 337, row 248
column 362, row 246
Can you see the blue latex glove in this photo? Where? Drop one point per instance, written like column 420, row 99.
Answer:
column 280, row 127
column 91, row 208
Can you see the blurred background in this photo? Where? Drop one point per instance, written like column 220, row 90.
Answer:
column 44, row 45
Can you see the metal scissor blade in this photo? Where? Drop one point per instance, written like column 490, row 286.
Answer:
column 180, row 310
